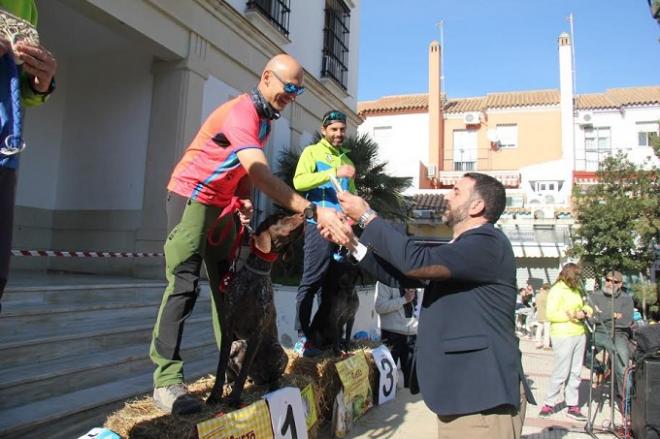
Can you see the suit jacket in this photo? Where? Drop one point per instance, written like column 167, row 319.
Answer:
column 467, row 355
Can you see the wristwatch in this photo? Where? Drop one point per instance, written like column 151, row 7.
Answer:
column 366, row 217
column 310, row 212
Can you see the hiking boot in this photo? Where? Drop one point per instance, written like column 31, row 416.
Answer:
column 575, row 413
column 546, row 411
column 176, row 400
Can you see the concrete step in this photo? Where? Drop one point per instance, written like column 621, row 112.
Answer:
column 20, row 385
column 80, row 319
column 76, row 341
column 78, row 294
column 73, row 414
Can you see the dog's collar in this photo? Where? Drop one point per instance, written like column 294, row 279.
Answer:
column 256, row 270
column 268, row 257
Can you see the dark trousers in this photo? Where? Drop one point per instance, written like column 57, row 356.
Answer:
column 318, row 252
column 7, row 199
column 399, row 346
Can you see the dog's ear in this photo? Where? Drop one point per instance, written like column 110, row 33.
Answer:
column 263, row 241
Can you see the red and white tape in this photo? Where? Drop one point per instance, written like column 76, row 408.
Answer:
column 66, row 254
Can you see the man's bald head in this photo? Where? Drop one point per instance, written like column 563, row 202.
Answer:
column 279, row 70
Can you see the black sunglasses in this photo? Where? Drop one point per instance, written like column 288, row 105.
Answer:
column 289, row 87
column 614, row 281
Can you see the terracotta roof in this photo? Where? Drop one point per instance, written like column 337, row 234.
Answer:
column 427, row 201
column 612, row 98
column 395, row 104
column 522, row 98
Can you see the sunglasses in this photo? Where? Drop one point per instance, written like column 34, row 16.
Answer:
column 614, row 281
column 333, row 116
column 289, row 87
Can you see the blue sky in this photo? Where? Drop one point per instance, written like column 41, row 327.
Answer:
column 505, row 45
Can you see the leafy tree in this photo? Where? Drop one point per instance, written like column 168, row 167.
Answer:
column 646, row 295
column 618, row 218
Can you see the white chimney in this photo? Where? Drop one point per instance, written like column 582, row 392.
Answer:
column 566, row 107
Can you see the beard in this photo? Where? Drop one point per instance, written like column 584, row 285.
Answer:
column 611, row 290
column 451, row 217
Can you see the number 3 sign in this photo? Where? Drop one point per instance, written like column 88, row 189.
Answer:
column 388, row 374
column 287, row 413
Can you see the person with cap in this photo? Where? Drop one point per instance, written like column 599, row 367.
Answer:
column 610, row 303
column 317, row 164
column 214, row 176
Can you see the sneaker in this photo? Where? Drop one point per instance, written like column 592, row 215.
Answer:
column 546, row 411
column 176, row 400
column 575, row 413
column 304, row 347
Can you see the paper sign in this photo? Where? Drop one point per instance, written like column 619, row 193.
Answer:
column 309, row 403
column 287, row 413
column 354, row 375
column 251, row 422
column 388, row 374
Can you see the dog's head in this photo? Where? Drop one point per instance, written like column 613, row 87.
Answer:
column 277, row 232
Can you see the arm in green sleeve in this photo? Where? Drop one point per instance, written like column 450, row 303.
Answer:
column 351, row 186
column 28, row 97
column 305, row 177
column 554, row 311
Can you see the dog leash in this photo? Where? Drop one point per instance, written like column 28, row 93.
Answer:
column 231, row 208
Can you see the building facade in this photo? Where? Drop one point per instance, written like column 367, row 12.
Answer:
column 135, row 81
column 538, row 143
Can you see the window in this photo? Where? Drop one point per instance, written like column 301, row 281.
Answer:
column 335, row 42
column 597, row 146
column 276, row 11
column 465, row 150
column 646, row 132
column 507, row 135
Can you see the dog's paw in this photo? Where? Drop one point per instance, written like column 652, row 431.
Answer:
column 213, row 399
column 234, row 401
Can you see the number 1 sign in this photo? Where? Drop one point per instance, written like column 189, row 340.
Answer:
column 388, row 374
column 287, row 413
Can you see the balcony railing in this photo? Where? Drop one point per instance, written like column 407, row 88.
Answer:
column 276, row 11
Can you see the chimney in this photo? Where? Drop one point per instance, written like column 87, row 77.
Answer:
column 436, row 119
column 566, row 106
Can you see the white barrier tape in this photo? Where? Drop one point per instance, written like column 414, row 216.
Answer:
column 67, row 254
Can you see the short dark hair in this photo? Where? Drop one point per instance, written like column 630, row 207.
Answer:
column 333, row 116
column 492, row 192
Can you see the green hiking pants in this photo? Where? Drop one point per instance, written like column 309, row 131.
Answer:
column 185, row 250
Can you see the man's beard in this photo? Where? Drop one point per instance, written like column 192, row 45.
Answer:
column 455, row 216
column 611, row 290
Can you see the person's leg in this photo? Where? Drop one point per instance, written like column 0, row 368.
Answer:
column 390, row 340
column 184, row 249
column 563, row 350
column 546, row 335
column 578, row 344
column 318, row 252
column 621, row 359
column 7, row 199
column 503, row 422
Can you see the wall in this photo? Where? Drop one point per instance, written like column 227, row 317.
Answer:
column 539, row 139
column 407, row 146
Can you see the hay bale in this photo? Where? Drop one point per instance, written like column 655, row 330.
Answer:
column 141, row 419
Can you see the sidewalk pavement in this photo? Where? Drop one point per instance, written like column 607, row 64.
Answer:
column 407, row 416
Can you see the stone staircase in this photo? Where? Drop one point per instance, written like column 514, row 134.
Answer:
column 71, row 354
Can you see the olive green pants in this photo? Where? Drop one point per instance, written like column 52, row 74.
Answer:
column 185, row 250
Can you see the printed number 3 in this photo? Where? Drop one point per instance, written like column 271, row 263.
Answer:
column 387, row 365
column 289, row 422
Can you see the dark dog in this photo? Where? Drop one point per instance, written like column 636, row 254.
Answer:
column 339, row 303
column 268, row 364
column 247, row 311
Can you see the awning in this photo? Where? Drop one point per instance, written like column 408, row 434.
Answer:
column 538, row 250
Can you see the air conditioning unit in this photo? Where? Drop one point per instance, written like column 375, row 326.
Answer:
column 431, row 171
column 545, row 212
column 472, row 118
column 585, row 118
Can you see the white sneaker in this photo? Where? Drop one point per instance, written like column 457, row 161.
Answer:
column 175, row 399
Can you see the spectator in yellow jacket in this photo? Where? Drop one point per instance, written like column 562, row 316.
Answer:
column 566, row 312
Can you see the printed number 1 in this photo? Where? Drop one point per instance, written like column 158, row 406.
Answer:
column 387, row 365
column 289, row 422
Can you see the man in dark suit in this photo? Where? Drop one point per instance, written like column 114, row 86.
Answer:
column 467, row 358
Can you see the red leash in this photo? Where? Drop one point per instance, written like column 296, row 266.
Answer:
column 233, row 207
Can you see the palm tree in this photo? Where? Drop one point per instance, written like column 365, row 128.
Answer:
column 383, row 192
